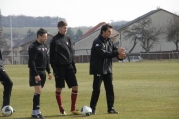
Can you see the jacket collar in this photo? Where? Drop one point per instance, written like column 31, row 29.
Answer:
column 61, row 35
column 103, row 39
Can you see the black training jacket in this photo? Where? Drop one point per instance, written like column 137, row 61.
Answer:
column 102, row 52
column 38, row 57
column 61, row 51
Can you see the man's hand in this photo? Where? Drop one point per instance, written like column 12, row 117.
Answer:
column 122, row 53
column 121, row 50
column 122, row 56
column 50, row 76
column 37, row 78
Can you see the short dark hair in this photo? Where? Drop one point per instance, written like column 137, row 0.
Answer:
column 62, row 23
column 41, row 31
column 105, row 27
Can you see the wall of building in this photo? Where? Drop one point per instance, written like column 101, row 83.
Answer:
column 160, row 19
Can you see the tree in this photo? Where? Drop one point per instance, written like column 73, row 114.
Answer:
column 145, row 33
column 133, row 34
column 70, row 33
column 2, row 39
column 79, row 33
column 149, row 34
column 30, row 33
column 3, row 43
column 172, row 31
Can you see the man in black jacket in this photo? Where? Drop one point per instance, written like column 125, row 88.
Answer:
column 38, row 63
column 6, row 82
column 102, row 52
column 64, row 69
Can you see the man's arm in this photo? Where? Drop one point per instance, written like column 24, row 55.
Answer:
column 52, row 56
column 47, row 65
column 32, row 57
column 102, row 51
column 72, row 53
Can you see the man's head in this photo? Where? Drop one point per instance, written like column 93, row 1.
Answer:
column 41, row 35
column 106, row 30
column 62, row 27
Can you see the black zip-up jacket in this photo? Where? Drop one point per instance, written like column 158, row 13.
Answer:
column 102, row 52
column 61, row 52
column 38, row 57
column 1, row 61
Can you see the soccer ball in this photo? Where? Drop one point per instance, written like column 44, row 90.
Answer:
column 86, row 111
column 7, row 110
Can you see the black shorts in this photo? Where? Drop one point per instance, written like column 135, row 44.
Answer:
column 33, row 82
column 65, row 73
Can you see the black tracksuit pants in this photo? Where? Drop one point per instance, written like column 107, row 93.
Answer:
column 108, row 84
column 7, row 83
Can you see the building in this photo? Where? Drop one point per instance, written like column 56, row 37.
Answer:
column 83, row 45
column 20, row 49
column 159, row 18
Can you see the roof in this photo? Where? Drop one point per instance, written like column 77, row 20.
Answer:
column 92, row 30
column 95, row 29
column 27, row 40
column 142, row 17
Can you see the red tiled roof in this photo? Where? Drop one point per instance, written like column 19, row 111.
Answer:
column 92, row 29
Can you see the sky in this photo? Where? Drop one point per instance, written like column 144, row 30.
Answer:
column 86, row 12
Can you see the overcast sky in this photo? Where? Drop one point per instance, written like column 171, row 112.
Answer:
column 86, row 12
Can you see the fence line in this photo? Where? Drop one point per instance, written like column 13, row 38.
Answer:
column 83, row 56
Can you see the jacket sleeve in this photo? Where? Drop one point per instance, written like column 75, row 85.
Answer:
column 100, row 49
column 52, row 56
column 47, row 65
column 72, row 53
column 32, row 57
column 115, row 48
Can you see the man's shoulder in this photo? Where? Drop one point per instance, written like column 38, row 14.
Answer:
column 33, row 45
column 97, row 41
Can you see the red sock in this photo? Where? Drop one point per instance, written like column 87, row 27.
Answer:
column 73, row 99
column 59, row 101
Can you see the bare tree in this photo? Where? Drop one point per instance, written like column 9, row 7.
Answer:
column 145, row 33
column 149, row 34
column 131, row 33
column 172, row 31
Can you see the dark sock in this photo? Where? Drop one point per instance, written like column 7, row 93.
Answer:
column 36, row 101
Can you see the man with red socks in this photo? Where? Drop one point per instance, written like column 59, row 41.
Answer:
column 63, row 65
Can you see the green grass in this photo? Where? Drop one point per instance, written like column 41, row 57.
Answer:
column 147, row 90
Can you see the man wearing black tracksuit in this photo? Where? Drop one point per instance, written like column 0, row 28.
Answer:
column 102, row 52
column 38, row 62
column 6, row 82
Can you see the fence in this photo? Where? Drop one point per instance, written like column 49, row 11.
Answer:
column 83, row 56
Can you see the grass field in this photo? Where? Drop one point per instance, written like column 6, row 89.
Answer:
column 147, row 90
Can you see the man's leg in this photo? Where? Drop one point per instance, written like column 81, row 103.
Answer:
column 38, row 85
column 96, row 91
column 108, row 83
column 36, row 100
column 71, row 81
column 74, row 94
column 59, row 100
column 7, row 83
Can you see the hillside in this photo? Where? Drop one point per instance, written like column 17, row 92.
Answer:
column 52, row 30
